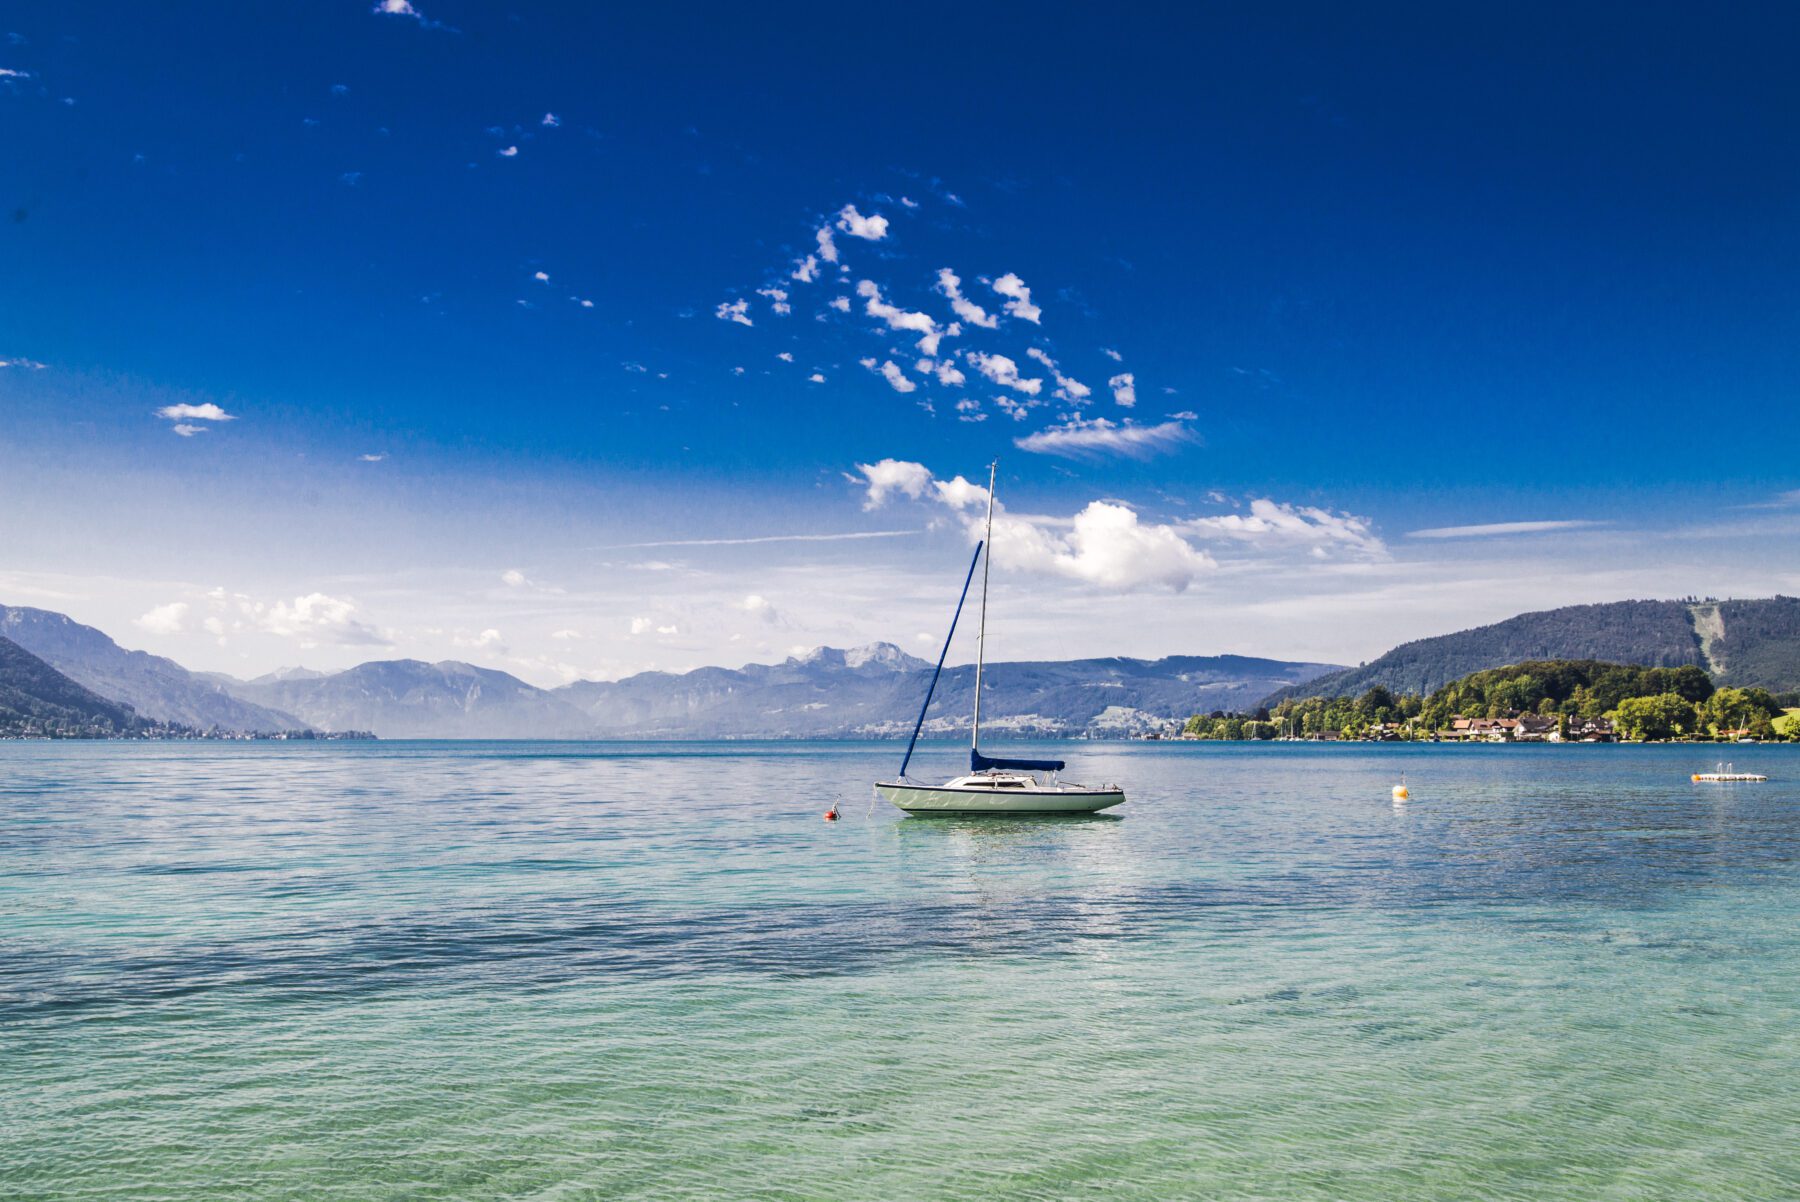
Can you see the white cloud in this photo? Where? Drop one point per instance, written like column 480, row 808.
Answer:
column 1013, row 407
column 373, row 458
column 9, row 73
column 960, row 493
column 1079, row 439
column 667, row 630
column 1500, row 528
column 642, row 626
column 969, row 410
column 565, row 636
column 815, row 378
column 317, row 618
column 896, row 377
column 949, row 375
column 551, row 120
column 900, row 319
column 514, row 577
column 164, row 619
column 1105, row 545
column 759, row 607
column 737, row 371
column 208, row 412
column 1273, row 523
column 806, row 270
column 508, row 152
column 1115, row 356
column 841, row 304
column 1067, row 388
column 1124, row 388
column 892, row 476
column 1019, row 302
column 951, row 286
column 30, row 364
column 828, row 250
column 785, row 356
column 398, row 8
column 873, row 228
column 187, row 431
column 542, row 277
column 778, row 299
column 1004, row 372
column 1185, row 415
column 737, row 310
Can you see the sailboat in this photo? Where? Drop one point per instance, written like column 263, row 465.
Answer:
column 993, row 786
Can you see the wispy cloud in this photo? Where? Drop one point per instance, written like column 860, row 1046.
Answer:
column 928, row 330
column 892, row 373
column 1095, row 439
column 737, row 310
column 849, row 536
column 404, row 8
column 951, row 286
column 164, row 619
column 28, row 364
column 873, row 228
column 1018, row 296
column 1004, row 372
column 1067, row 388
column 1124, row 388
column 1491, row 529
column 1274, row 523
column 184, row 415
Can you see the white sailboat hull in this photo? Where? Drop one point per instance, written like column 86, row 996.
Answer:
column 954, row 799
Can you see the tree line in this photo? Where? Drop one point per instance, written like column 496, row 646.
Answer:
column 1642, row 704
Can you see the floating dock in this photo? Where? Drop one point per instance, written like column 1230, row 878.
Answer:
column 1727, row 776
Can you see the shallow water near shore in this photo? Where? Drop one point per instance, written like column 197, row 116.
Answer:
column 572, row 971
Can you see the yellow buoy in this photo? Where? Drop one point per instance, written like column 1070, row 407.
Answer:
column 1400, row 793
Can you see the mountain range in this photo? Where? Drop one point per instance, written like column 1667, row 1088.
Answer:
column 871, row 691
column 37, row 699
column 155, row 687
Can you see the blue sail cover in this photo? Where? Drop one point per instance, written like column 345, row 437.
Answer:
column 981, row 763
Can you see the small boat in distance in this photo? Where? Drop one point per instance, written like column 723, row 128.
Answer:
column 993, row 786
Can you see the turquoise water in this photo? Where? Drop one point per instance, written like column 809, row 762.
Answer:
column 565, row 971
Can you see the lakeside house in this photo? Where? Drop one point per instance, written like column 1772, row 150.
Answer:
column 1527, row 728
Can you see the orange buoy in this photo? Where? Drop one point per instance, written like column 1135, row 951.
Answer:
column 831, row 814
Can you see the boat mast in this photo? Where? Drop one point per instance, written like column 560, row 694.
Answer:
column 981, row 638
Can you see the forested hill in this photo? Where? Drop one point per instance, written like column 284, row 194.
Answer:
column 1741, row 643
column 1752, row 643
column 36, row 699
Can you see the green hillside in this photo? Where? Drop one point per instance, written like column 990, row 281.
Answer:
column 36, row 699
column 1657, row 634
column 1739, row 643
column 1759, row 643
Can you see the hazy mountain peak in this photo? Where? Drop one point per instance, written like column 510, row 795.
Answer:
column 883, row 655
column 875, row 656
column 294, row 673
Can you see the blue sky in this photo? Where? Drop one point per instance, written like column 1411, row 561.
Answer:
column 1308, row 283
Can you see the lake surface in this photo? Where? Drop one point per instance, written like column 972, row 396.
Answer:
column 588, row 971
